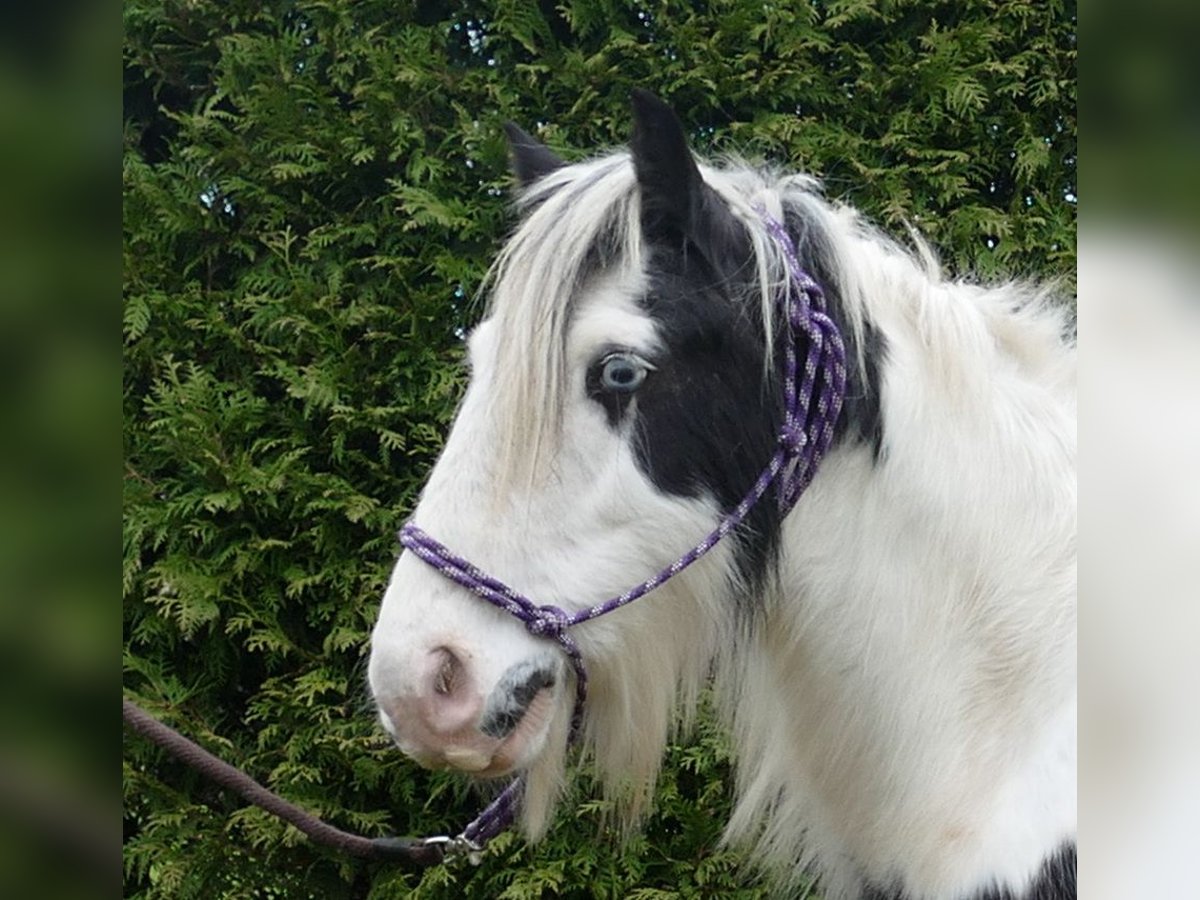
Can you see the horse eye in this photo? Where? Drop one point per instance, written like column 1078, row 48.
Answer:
column 622, row 373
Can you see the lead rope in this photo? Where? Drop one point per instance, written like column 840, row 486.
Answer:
column 420, row 851
column 803, row 440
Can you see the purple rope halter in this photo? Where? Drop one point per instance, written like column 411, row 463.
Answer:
column 804, row 438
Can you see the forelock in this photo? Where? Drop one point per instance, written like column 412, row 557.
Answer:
column 577, row 221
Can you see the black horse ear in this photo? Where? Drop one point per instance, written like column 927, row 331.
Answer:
column 672, row 190
column 677, row 206
column 531, row 159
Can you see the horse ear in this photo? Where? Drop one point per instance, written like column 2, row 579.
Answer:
column 668, row 178
column 531, row 159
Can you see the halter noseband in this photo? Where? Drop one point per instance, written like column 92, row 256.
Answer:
column 803, row 440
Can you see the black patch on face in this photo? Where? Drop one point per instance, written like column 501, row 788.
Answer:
column 1055, row 881
column 705, row 421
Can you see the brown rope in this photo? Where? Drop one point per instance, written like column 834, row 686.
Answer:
column 412, row 850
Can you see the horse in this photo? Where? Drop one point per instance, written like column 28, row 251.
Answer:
column 892, row 651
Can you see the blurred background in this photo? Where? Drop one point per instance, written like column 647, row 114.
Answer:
column 1139, row 335
column 60, row 448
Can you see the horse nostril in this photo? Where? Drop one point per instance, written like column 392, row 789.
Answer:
column 511, row 697
column 448, row 672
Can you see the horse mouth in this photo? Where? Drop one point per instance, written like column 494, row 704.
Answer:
column 524, row 740
column 484, row 755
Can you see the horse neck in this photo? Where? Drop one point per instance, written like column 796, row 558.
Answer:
column 923, row 616
column 956, row 530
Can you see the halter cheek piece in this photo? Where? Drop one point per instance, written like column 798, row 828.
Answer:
column 803, row 440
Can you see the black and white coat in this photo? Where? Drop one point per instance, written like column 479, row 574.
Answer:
column 895, row 658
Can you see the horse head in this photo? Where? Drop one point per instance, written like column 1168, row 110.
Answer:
column 620, row 402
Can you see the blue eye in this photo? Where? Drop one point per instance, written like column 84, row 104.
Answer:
column 622, row 373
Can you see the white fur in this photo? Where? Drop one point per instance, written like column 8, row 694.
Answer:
column 904, row 711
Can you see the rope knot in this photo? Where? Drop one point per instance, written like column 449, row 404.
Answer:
column 792, row 438
column 550, row 622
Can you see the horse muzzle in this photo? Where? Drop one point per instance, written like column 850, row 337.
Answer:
column 443, row 717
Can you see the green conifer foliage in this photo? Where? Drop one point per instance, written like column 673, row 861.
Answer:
column 313, row 190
